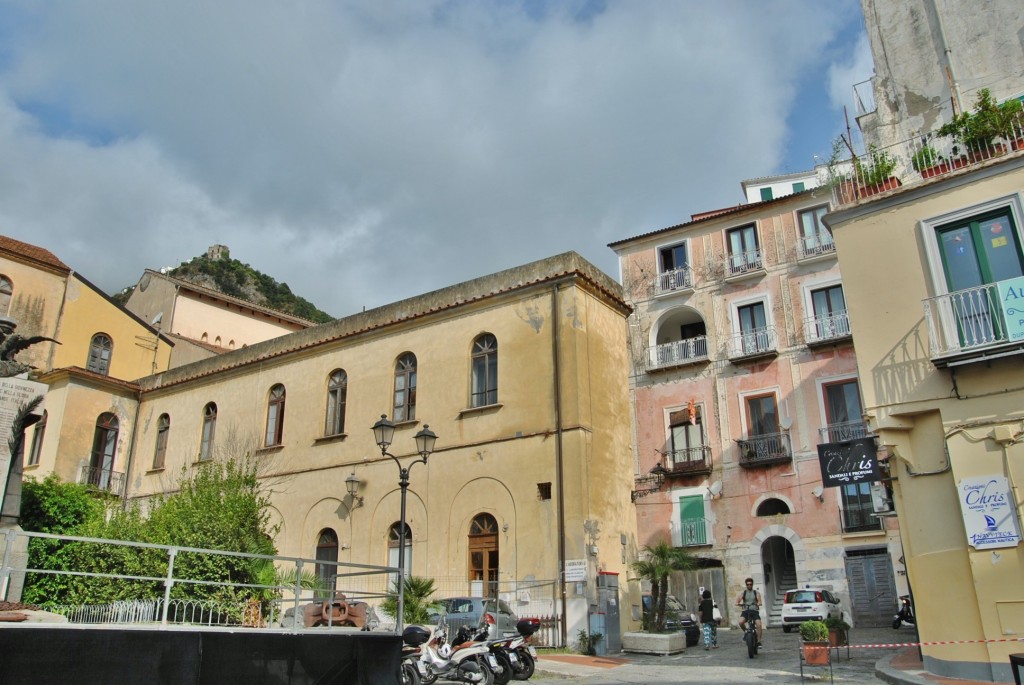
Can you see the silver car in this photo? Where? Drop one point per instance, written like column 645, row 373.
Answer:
column 474, row 611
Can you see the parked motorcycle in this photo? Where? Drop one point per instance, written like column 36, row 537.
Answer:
column 905, row 613
column 434, row 658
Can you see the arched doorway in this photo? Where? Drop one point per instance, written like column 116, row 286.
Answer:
column 779, row 564
column 483, row 554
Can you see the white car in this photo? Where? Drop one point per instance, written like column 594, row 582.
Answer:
column 809, row 604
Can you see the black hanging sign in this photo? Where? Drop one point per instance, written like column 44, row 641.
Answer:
column 852, row 461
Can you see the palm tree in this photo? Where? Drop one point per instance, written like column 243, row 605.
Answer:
column 418, row 605
column 661, row 560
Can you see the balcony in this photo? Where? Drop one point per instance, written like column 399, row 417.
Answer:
column 972, row 325
column 826, row 330
column 752, row 344
column 678, row 353
column 843, row 432
column 691, row 461
column 693, row 532
column 913, row 162
column 105, row 480
column 858, row 518
column 677, row 280
column 815, row 246
column 743, row 264
column 765, row 450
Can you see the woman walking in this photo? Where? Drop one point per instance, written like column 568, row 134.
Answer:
column 707, row 617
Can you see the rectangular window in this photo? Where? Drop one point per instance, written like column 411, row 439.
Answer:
column 843, row 412
column 744, row 254
column 692, row 525
column 762, row 415
column 754, row 334
column 687, row 435
column 857, row 508
column 830, row 318
column 37, row 441
column 766, row 194
column 673, row 257
column 799, row 187
column 815, row 237
column 673, row 268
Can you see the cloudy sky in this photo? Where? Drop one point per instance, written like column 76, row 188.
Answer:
column 364, row 152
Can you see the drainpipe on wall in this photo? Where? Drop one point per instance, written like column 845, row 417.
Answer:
column 131, row 446
column 954, row 85
column 555, row 339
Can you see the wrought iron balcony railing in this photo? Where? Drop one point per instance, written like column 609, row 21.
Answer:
column 690, row 460
column 102, row 479
column 816, row 246
column 742, row 263
column 765, row 450
column 678, row 353
column 842, row 432
column 754, row 342
column 825, row 329
column 674, row 281
column 971, row 320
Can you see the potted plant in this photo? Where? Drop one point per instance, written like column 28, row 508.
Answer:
column 929, row 162
column 874, row 171
column 814, row 635
column 838, row 635
column 979, row 130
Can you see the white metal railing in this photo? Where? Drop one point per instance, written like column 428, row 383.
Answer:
column 752, row 342
column 844, row 431
column 965, row 320
column 739, row 263
column 824, row 328
column 815, row 246
column 679, row 352
column 673, row 281
column 914, row 161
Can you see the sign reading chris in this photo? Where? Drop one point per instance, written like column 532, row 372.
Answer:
column 989, row 516
column 853, row 461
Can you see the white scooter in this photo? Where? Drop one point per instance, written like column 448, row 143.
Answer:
column 436, row 658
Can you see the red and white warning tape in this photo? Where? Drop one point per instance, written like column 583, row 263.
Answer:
column 937, row 642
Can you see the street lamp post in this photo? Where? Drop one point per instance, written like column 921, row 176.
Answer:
column 383, row 434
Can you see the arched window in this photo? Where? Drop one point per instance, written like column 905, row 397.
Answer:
column 405, row 388
column 104, row 448
column 327, row 550
column 37, row 441
column 209, row 431
column 772, row 507
column 216, row 341
column 163, row 427
column 485, row 371
column 483, row 553
column 6, row 294
column 275, row 416
column 337, row 392
column 393, row 545
column 100, row 350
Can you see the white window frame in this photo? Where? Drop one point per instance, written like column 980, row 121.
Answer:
column 673, row 243
column 929, row 238
column 820, row 384
column 666, row 417
column 751, row 299
column 702, row 492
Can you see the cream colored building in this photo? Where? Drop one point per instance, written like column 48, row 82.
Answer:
column 521, row 374
column 930, row 272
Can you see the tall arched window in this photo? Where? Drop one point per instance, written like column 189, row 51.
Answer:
column 337, row 393
column 275, row 416
column 37, row 441
column 485, row 371
column 163, row 428
column 483, row 553
column 104, row 448
column 209, row 431
column 327, row 550
column 405, row 388
column 393, row 545
column 6, row 294
column 100, row 350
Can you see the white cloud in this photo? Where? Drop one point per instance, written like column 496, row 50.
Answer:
column 365, row 152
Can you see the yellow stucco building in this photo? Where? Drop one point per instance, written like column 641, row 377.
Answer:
column 932, row 273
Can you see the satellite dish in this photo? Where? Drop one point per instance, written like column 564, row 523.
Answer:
column 817, row 491
column 715, row 488
column 157, row 319
column 786, row 422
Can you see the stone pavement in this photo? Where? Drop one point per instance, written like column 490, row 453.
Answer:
column 777, row 662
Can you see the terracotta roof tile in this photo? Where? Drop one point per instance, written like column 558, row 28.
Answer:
column 33, row 252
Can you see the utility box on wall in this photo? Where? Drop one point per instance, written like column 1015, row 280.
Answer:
column 608, row 613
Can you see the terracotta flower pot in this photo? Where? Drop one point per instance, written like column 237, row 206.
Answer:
column 816, row 653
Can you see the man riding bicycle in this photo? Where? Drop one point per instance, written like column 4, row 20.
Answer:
column 749, row 602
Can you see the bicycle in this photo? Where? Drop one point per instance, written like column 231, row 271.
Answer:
column 750, row 637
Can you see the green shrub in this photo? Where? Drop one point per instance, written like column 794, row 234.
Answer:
column 814, row 631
